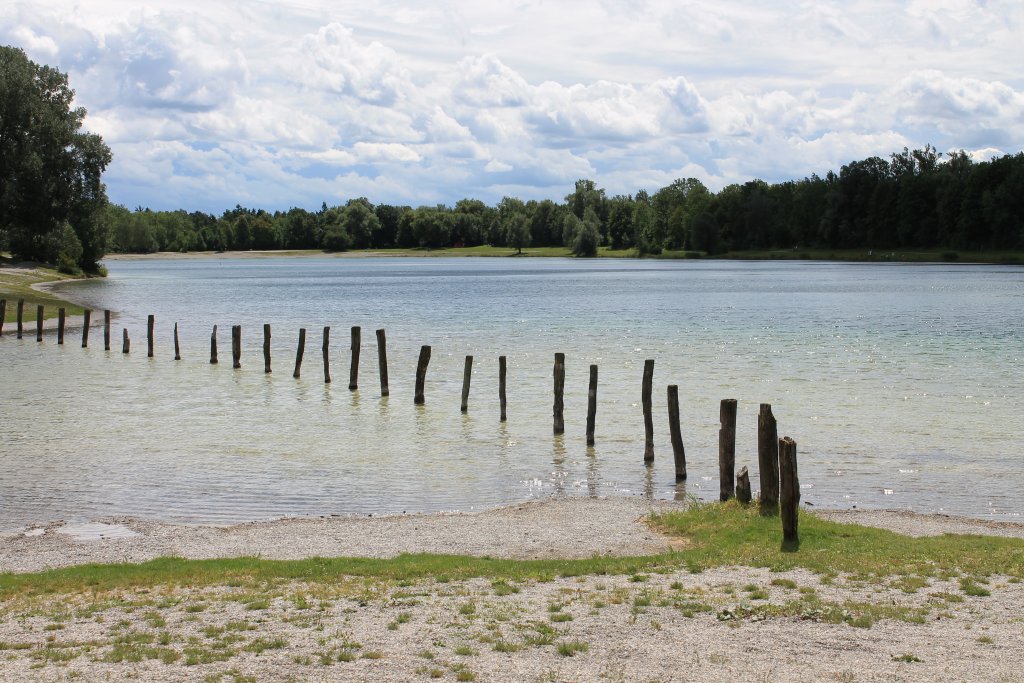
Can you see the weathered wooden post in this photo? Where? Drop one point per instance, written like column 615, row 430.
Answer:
column 592, row 405
column 727, row 449
column 421, row 375
column 353, row 373
column 789, row 490
column 299, row 351
column 86, row 317
column 149, row 335
column 236, row 346
column 126, row 345
column 21, row 313
column 501, row 387
column 3, row 314
column 106, row 329
column 467, row 375
column 61, row 320
column 266, row 348
column 177, row 346
column 646, row 389
column 768, row 459
column 743, row 486
column 678, row 452
column 327, row 363
column 39, row 323
column 213, row 346
column 558, row 409
column 382, row 362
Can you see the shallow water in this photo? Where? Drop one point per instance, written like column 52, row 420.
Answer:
column 900, row 383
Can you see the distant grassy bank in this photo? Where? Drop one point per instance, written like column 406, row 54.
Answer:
column 796, row 254
column 16, row 280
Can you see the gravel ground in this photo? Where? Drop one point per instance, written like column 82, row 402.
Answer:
column 738, row 624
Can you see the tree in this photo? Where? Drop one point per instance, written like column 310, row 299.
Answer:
column 517, row 232
column 49, row 168
column 360, row 223
column 588, row 236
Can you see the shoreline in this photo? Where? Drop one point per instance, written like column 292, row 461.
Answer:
column 556, row 528
column 859, row 256
column 717, row 623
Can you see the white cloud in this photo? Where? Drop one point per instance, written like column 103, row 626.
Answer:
column 279, row 104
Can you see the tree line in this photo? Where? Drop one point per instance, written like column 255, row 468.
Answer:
column 54, row 207
column 916, row 199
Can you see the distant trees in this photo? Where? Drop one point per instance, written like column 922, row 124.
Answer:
column 914, row 199
column 53, row 203
column 517, row 232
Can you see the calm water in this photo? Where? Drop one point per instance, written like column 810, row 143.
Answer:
column 901, row 384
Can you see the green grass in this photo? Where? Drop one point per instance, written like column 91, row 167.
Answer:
column 729, row 534
column 717, row 535
column 16, row 283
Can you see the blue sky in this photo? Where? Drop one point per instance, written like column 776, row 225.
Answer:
column 208, row 104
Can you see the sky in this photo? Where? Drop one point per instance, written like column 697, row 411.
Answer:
column 211, row 103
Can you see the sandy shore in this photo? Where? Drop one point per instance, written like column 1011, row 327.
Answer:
column 736, row 624
column 554, row 528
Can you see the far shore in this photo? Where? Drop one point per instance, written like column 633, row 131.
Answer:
column 795, row 254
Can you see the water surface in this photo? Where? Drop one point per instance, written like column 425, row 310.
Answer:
column 900, row 383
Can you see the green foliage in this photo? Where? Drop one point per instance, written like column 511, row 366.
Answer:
column 49, row 168
column 587, row 236
column 517, row 232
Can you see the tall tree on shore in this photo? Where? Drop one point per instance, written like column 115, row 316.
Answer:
column 52, row 198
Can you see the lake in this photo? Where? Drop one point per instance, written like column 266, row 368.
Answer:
column 901, row 384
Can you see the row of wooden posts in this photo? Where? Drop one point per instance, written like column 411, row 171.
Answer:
column 780, row 488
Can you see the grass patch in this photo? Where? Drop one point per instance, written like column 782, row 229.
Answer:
column 729, row 534
column 570, row 648
column 16, row 283
column 717, row 535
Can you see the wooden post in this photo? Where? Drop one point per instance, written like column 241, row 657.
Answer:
column 106, row 329
column 467, row 374
column 648, row 387
column 421, row 375
column 559, row 406
column 768, row 459
column 177, row 346
column 125, row 344
column 149, row 336
column 678, row 452
column 727, row 449
column 592, row 405
column 789, row 490
column 39, row 323
column 266, row 348
column 61, row 320
column 21, row 313
column 382, row 362
column 501, row 387
column 86, row 317
column 743, row 486
column 236, row 346
column 299, row 351
column 213, row 346
column 3, row 314
column 327, row 364
column 353, row 373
